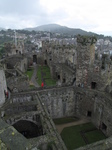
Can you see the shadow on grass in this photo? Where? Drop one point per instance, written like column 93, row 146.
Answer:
column 65, row 120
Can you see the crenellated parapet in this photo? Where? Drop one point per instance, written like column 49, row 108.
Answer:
column 85, row 40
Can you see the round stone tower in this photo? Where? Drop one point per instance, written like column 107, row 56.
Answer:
column 85, row 59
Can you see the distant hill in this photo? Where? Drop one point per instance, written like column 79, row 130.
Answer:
column 55, row 28
column 2, row 29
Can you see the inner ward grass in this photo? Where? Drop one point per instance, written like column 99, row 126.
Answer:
column 73, row 139
column 64, row 120
column 45, row 71
column 29, row 73
column 94, row 136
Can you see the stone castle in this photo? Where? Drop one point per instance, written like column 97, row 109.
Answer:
column 83, row 89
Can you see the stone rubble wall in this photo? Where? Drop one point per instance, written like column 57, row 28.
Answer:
column 59, row 102
column 78, row 102
column 3, row 86
column 98, row 103
column 17, row 84
column 67, row 75
column 22, row 65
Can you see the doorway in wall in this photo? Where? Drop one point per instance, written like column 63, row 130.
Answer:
column 35, row 59
column 93, row 85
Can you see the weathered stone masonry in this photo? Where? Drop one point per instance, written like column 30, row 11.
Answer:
column 3, row 86
column 80, row 102
column 59, row 101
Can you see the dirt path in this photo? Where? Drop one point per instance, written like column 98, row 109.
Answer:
column 33, row 78
column 61, row 127
column 42, row 76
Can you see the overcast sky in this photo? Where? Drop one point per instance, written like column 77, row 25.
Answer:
column 89, row 15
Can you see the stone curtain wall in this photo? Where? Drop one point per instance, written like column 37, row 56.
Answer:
column 67, row 75
column 12, row 60
column 22, row 65
column 33, row 117
column 95, row 105
column 3, row 86
column 83, row 103
column 17, row 84
column 59, row 102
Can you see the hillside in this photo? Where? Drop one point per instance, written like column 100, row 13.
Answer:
column 55, row 28
column 2, row 29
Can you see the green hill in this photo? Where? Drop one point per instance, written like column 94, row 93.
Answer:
column 55, row 28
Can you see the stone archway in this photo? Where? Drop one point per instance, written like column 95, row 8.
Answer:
column 28, row 129
column 35, row 59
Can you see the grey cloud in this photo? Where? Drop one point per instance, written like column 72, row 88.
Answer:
column 14, row 12
column 20, row 7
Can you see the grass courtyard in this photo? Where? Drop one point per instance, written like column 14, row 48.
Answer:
column 29, row 73
column 81, row 135
column 43, row 74
column 64, row 120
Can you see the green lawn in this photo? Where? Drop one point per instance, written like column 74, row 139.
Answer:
column 50, row 82
column 59, row 121
column 73, row 139
column 94, row 136
column 32, row 86
column 29, row 73
column 45, row 70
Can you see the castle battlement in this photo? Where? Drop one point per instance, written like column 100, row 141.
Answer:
column 85, row 40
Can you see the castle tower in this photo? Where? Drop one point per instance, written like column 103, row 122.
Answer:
column 85, row 59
